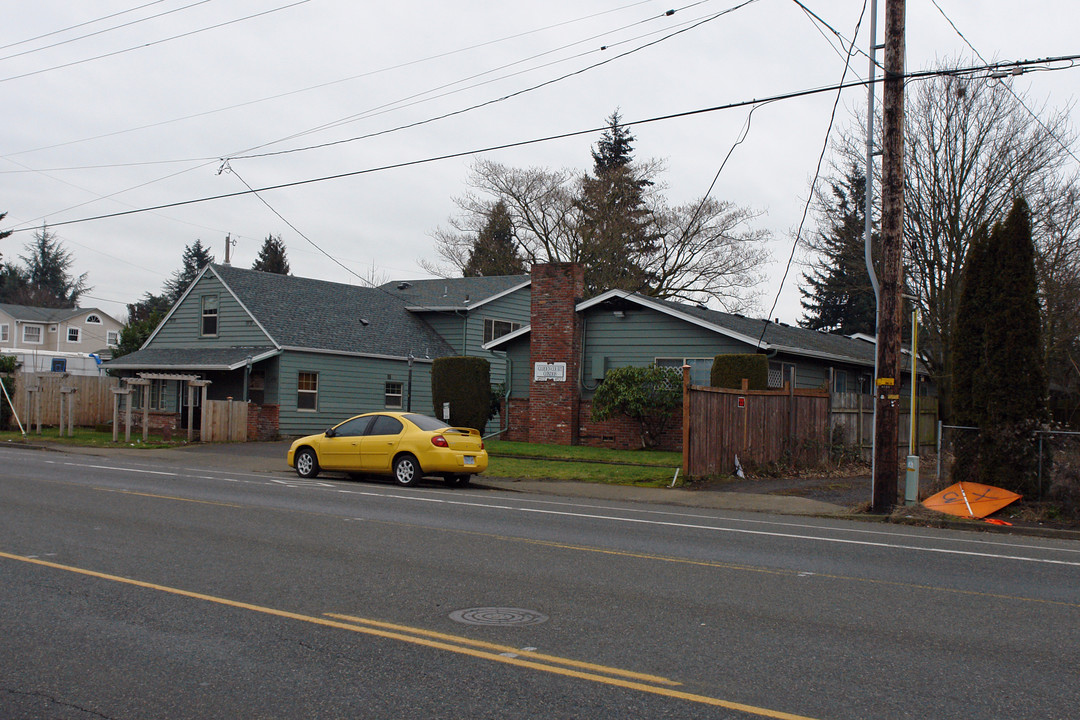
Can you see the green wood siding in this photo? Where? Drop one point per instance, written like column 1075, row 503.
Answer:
column 347, row 386
column 235, row 326
column 448, row 325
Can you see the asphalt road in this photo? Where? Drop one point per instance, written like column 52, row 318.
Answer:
column 135, row 589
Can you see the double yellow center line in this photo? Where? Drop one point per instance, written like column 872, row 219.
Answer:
column 505, row 654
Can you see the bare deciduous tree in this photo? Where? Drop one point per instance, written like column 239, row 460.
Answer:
column 971, row 149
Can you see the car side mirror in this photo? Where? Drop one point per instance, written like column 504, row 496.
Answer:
column 330, row 432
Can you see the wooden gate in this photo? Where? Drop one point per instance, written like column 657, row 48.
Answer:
column 758, row 426
column 224, row 421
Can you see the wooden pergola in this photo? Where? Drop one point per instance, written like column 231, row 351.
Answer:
column 143, row 381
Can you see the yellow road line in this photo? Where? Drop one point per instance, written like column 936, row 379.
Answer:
column 415, row 640
column 508, row 649
column 168, row 497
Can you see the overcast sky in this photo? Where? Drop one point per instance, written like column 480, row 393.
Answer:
column 142, row 115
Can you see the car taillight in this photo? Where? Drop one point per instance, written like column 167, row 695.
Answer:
column 481, row 444
column 439, row 441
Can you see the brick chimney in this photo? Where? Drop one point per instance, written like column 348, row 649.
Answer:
column 555, row 349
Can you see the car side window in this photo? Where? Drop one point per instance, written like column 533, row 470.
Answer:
column 352, row 428
column 385, row 425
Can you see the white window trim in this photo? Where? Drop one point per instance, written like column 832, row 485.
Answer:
column 112, row 337
column 93, row 320
column 490, row 322
column 78, row 335
column 5, row 332
column 300, row 391
column 203, row 315
column 400, row 395
column 41, row 335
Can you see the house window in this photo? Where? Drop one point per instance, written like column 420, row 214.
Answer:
column 840, row 383
column 780, row 373
column 209, row 315
column 307, row 391
column 393, row 395
column 494, row 329
column 93, row 320
column 4, row 328
column 112, row 337
column 700, row 368
column 73, row 335
column 31, row 334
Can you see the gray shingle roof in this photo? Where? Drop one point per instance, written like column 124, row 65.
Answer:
column 189, row 358
column 783, row 337
column 44, row 315
column 304, row 313
column 459, row 293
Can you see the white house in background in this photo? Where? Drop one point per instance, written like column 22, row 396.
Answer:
column 72, row 340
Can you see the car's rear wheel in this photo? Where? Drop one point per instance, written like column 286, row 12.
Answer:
column 406, row 470
column 307, row 464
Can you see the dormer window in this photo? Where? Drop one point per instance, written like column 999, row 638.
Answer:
column 93, row 320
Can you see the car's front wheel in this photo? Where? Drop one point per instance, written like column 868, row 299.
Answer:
column 406, row 470
column 307, row 464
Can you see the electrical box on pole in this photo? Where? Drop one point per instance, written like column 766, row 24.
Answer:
column 887, row 400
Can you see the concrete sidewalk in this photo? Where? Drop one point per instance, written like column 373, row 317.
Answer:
column 269, row 457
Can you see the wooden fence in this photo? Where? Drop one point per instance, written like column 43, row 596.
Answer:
column 93, row 398
column 224, row 421
column 758, row 426
column 852, row 419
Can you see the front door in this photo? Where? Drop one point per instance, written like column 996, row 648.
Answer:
column 342, row 451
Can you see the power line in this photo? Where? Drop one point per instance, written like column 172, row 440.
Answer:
column 817, row 173
column 437, row 56
column 79, row 25
column 1008, row 87
column 918, row 75
column 500, row 99
column 152, row 43
column 101, row 32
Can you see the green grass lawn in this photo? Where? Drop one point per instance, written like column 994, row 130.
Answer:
column 91, row 437
column 586, row 464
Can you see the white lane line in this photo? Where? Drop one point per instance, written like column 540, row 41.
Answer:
column 662, row 523
column 740, row 531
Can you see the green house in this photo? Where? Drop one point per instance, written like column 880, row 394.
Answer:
column 308, row 353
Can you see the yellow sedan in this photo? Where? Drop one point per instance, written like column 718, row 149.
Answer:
column 406, row 446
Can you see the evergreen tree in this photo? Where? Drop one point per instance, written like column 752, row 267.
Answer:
column 837, row 295
column 196, row 256
column 150, row 305
column 999, row 380
column 49, row 283
column 272, row 257
column 616, row 229
column 494, row 251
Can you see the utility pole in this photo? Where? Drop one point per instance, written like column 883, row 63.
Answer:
column 229, row 242
column 887, row 387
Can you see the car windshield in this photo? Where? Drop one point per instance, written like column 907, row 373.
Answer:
column 426, row 423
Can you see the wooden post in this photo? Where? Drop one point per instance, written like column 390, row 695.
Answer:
column 145, row 411
column 190, row 412
column 685, row 421
column 886, row 431
column 127, row 414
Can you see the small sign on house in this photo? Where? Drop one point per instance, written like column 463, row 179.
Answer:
column 544, row 371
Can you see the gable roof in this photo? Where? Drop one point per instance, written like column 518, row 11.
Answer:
column 29, row 313
column 299, row 313
column 444, row 294
column 763, row 334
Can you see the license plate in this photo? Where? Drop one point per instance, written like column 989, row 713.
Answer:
column 470, row 460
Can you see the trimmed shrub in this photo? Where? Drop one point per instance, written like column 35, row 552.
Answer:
column 648, row 395
column 465, row 383
column 728, row 371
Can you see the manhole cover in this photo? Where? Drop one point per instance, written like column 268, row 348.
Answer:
column 498, row 616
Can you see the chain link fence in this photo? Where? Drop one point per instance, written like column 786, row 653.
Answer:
column 1059, row 461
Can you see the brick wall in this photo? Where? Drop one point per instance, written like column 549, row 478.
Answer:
column 262, row 422
column 622, row 433
column 555, row 337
